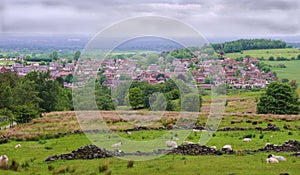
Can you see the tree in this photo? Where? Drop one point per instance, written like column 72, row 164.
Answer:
column 77, row 55
column 158, row 102
column 54, row 55
column 191, row 102
column 279, row 98
column 135, row 97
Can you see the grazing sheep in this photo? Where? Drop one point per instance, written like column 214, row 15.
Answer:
column 228, row 147
column 271, row 159
column 213, row 147
column 281, row 158
column 116, row 144
column 171, row 144
column 246, row 140
column 3, row 162
column 268, row 144
column 18, row 146
column 128, row 132
column 196, row 130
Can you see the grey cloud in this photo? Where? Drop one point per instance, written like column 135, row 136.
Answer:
column 212, row 17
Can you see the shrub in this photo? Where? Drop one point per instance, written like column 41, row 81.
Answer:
column 261, row 136
column 290, row 133
column 103, row 167
column 130, row 164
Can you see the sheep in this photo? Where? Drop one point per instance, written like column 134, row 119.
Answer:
column 281, row 158
column 227, row 147
column 3, row 162
column 18, row 146
column 196, row 130
column 271, row 159
column 171, row 144
column 267, row 144
column 246, row 140
column 213, row 147
column 128, row 132
column 116, row 144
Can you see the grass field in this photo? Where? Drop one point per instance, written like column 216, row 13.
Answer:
column 291, row 72
column 266, row 53
column 33, row 153
column 6, row 63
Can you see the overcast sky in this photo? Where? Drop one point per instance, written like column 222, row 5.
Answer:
column 212, row 18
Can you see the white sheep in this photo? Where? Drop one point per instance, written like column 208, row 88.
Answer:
column 18, row 146
column 171, row 144
column 116, row 144
column 3, row 162
column 213, row 147
column 228, row 147
column 268, row 144
column 272, row 160
column 246, row 140
column 196, row 130
column 281, row 158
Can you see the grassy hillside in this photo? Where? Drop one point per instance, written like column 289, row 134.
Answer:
column 33, row 153
column 266, row 53
column 291, row 72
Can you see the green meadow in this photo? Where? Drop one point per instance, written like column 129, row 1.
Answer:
column 266, row 53
column 32, row 154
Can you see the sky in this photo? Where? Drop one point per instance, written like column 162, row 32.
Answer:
column 212, row 18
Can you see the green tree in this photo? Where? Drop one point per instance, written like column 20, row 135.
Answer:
column 191, row 102
column 279, row 98
column 135, row 97
column 48, row 90
column 77, row 55
column 54, row 55
column 158, row 102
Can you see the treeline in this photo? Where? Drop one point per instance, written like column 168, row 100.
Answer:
column 248, row 44
column 22, row 99
column 141, row 95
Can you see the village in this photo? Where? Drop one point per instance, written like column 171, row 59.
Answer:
column 243, row 74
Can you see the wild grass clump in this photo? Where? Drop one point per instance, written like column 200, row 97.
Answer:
column 14, row 166
column 103, row 167
column 50, row 167
column 63, row 170
column 108, row 172
column 130, row 164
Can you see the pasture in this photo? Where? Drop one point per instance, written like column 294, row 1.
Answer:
column 291, row 71
column 266, row 53
column 37, row 144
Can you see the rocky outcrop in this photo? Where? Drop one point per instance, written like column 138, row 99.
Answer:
column 196, row 149
column 297, row 154
column 85, row 152
column 288, row 146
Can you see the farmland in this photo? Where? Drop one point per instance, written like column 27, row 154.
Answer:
column 291, row 71
column 266, row 53
column 36, row 149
